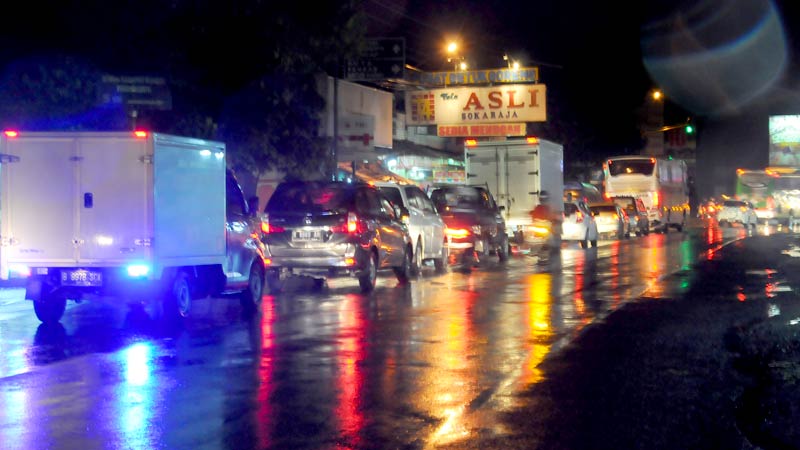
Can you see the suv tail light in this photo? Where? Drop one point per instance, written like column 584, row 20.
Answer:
column 456, row 233
column 352, row 226
column 268, row 228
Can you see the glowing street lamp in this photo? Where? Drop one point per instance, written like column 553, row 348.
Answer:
column 451, row 48
column 657, row 95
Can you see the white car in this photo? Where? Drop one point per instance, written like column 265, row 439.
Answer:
column 736, row 211
column 579, row 224
column 424, row 224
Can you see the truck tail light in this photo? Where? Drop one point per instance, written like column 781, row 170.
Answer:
column 655, row 200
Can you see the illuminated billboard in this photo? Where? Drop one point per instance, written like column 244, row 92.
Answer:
column 784, row 140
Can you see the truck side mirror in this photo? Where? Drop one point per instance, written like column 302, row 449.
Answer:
column 252, row 205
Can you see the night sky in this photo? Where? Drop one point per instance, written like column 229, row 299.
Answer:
column 719, row 61
column 592, row 54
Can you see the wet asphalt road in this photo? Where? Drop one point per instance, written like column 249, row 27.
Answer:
column 421, row 366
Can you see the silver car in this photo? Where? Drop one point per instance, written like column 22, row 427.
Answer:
column 424, row 224
column 579, row 224
column 735, row 211
column 325, row 229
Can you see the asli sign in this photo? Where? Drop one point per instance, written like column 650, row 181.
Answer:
column 475, row 105
column 485, row 130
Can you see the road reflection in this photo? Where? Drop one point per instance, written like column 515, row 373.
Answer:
column 350, row 359
column 540, row 316
column 135, row 406
column 431, row 364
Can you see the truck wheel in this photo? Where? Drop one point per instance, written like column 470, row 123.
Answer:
column 178, row 301
column 250, row 298
column 369, row 277
column 49, row 306
column 441, row 262
column 404, row 272
column 416, row 267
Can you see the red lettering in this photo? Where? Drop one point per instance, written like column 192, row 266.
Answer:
column 534, row 98
column 511, row 103
column 473, row 99
column 495, row 99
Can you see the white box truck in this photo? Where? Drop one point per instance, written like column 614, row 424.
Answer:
column 148, row 217
column 516, row 171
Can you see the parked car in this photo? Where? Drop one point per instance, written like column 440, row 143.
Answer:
column 636, row 212
column 425, row 225
column 611, row 220
column 736, row 211
column 327, row 229
column 475, row 226
column 579, row 224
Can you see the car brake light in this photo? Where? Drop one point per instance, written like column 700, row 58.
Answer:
column 267, row 228
column 140, row 134
column 471, row 142
column 11, row 133
column 456, row 233
column 352, row 226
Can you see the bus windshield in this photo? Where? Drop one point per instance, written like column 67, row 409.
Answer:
column 631, row 167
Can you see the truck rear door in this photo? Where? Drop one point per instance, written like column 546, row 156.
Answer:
column 522, row 174
column 112, row 199
column 38, row 201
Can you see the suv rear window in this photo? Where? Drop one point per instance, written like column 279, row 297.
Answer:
column 460, row 197
column 309, row 197
column 604, row 208
column 734, row 203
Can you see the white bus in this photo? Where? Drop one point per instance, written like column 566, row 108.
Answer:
column 661, row 183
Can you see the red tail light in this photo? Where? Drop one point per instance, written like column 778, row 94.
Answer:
column 352, row 226
column 456, row 233
column 267, row 228
column 140, row 134
column 11, row 133
column 655, row 200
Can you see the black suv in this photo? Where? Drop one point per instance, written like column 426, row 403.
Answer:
column 325, row 228
column 475, row 226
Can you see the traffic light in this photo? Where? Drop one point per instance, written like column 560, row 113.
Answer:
column 689, row 128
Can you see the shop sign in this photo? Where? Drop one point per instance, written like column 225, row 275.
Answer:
column 477, row 105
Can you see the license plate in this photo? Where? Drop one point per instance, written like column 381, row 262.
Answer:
column 307, row 236
column 81, row 277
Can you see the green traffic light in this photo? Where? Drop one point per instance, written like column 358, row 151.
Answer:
column 689, row 129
